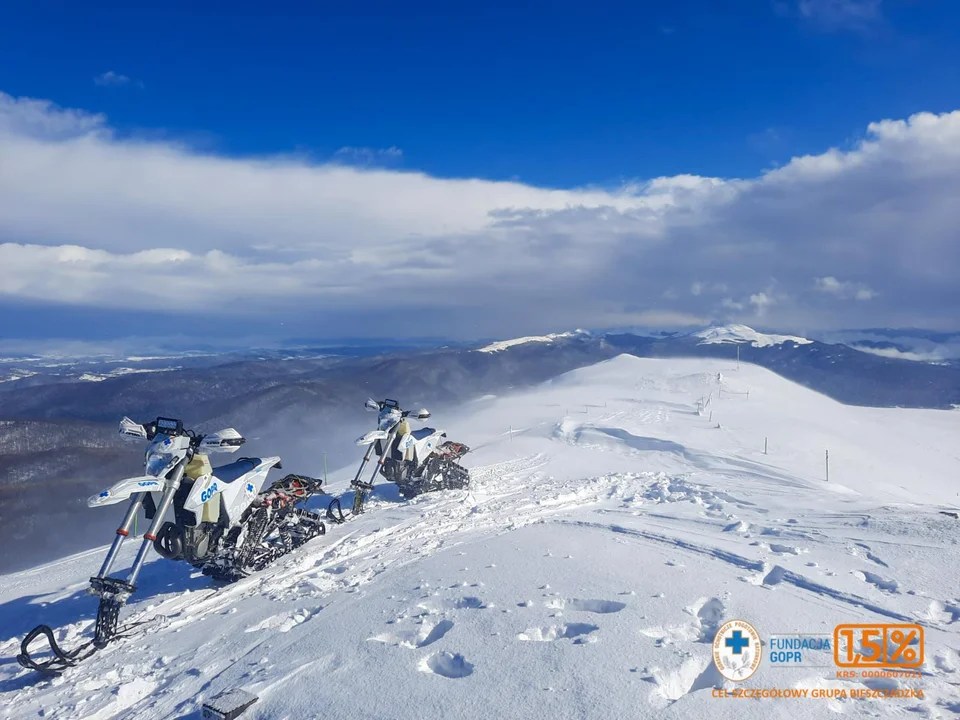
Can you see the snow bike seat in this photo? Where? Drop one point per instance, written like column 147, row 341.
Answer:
column 423, row 433
column 229, row 473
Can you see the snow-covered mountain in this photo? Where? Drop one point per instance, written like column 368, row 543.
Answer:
column 501, row 345
column 744, row 334
column 619, row 514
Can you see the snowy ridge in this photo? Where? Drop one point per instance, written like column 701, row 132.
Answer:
column 18, row 375
column 504, row 344
column 610, row 529
column 120, row 371
column 744, row 334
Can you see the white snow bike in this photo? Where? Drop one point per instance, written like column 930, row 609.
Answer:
column 417, row 461
column 224, row 522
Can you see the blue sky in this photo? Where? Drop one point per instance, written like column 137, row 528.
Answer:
column 563, row 96
column 493, row 169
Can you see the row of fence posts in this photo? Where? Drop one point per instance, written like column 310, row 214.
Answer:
column 826, row 460
column 826, row 453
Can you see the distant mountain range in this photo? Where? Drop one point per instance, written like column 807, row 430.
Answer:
column 58, row 444
column 903, row 343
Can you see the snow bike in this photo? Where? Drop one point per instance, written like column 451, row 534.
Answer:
column 418, row 461
column 224, row 523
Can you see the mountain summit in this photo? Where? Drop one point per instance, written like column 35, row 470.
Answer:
column 742, row 334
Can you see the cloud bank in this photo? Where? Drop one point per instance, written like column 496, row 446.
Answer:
column 88, row 218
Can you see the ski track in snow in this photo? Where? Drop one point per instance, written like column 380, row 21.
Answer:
column 714, row 530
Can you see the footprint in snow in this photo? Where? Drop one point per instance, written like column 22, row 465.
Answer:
column 600, row 607
column 947, row 661
column 708, row 614
column 694, row 674
column 469, row 603
column 862, row 551
column 942, row 613
column 784, row 549
column 445, row 664
column 284, row 623
column 426, row 634
column 775, row 576
column 882, row 584
column 578, row 632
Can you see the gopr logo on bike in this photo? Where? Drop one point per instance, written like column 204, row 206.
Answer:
column 208, row 493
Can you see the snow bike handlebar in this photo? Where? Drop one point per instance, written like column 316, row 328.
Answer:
column 155, row 427
column 421, row 414
column 225, row 440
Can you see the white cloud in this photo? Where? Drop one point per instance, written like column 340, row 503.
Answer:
column 892, row 352
column 28, row 118
column 111, row 79
column 844, row 290
column 700, row 288
column 89, row 219
column 761, row 301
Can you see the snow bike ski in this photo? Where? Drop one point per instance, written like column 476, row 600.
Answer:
column 224, row 523
column 418, row 461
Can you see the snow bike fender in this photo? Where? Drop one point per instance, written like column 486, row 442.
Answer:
column 372, row 436
column 124, row 489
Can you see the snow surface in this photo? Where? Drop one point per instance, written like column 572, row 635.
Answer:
column 504, row 344
column 618, row 515
column 744, row 334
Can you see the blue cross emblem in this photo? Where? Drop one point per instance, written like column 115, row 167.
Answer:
column 737, row 641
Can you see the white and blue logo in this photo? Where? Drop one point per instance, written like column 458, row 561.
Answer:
column 208, row 493
column 737, row 650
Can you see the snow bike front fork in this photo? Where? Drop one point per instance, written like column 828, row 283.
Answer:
column 102, row 584
column 365, row 487
column 113, row 592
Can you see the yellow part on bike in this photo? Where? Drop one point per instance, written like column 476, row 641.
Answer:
column 198, row 467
